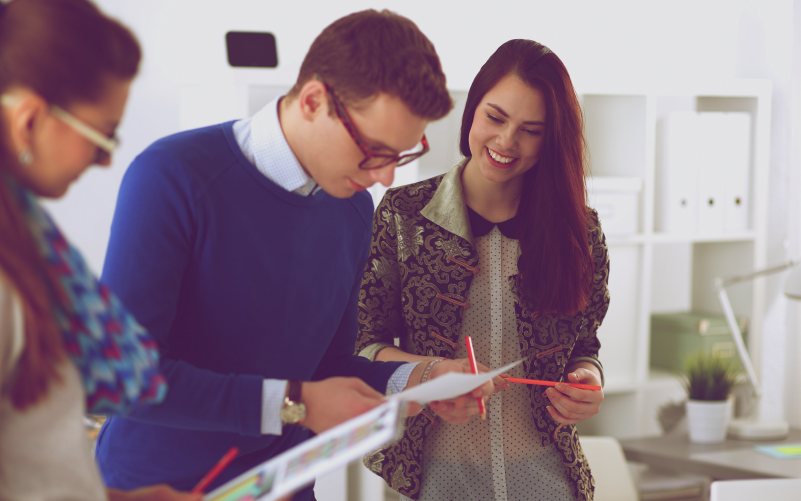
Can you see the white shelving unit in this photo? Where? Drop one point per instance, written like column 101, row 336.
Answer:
column 652, row 271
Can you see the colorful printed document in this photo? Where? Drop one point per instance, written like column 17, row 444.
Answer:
column 300, row 465
column 784, row 451
column 340, row 445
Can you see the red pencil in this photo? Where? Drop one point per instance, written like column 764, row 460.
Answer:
column 471, row 356
column 553, row 383
column 216, row 470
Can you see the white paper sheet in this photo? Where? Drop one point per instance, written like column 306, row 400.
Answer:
column 450, row 385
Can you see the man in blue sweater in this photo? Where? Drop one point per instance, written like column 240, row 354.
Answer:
column 241, row 248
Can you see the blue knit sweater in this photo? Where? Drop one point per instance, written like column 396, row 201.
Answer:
column 238, row 280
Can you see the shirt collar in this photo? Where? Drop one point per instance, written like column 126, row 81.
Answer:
column 272, row 155
column 447, row 207
column 481, row 226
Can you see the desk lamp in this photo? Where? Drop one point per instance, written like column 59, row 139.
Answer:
column 751, row 427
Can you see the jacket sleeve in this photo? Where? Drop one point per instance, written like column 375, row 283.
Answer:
column 587, row 344
column 380, row 311
column 152, row 237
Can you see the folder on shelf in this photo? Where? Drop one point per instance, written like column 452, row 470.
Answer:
column 703, row 172
column 736, row 129
column 676, row 184
column 711, row 172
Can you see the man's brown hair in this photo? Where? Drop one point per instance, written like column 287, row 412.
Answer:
column 368, row 52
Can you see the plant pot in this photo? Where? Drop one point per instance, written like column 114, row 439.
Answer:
column 707, row 420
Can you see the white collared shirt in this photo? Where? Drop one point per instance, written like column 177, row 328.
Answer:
column 262, row 141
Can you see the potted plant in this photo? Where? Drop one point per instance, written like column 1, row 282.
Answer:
column 708, row 379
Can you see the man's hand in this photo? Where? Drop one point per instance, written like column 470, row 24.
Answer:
column 570, row 405
column 335, row 400
column 459, row 409
column 161, row 492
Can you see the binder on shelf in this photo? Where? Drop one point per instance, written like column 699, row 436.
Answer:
column 737, row 154
column 703, row 173
column 677, row 186
column 711, row 173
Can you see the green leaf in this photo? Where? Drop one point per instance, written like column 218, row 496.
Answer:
column 708, row 376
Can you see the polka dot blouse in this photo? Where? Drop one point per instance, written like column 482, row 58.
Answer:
column 500, row 458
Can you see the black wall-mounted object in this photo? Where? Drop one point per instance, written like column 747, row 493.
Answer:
column 250, row 49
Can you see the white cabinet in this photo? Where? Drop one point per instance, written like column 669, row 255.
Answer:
column 656, row 269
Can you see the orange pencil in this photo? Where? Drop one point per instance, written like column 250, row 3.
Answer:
column 471, row 356
column 553, row 383
column 216, row 470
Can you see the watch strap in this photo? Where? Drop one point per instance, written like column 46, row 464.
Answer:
column 293, row 390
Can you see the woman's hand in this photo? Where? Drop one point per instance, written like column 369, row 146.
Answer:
column 161, row 492
column 459, row 409
column 570, row 405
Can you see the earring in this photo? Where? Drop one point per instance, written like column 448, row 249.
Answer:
column 26, row 157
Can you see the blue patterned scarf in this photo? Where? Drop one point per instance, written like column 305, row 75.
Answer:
column 116, row 357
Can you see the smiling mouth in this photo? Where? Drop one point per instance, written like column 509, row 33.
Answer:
column 500, row 159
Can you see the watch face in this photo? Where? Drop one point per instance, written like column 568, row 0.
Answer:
column 293, row 413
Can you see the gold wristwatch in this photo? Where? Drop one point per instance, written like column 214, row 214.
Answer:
column 293, row 410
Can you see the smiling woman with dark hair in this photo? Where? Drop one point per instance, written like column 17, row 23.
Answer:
column 503, row 249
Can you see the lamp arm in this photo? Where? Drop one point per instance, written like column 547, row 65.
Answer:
column 728, row 312
column 727, row 281
column 720, row 285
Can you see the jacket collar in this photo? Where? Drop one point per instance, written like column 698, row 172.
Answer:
column 447, row 208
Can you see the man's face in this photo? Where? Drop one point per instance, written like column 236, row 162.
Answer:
column 385, row 125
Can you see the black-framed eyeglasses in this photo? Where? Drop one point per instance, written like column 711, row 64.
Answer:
column 373, row 160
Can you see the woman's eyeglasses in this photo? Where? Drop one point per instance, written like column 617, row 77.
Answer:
column 373, row 160
column 105, row 144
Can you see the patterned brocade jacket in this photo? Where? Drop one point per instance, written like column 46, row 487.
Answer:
column 422, row 260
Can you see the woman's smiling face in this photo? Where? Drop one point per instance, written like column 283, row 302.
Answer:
column 508, row 130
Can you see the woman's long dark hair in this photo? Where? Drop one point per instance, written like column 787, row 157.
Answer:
column 65, row 51
column 555, row 268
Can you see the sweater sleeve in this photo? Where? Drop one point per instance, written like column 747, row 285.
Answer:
column 151, row 244
column 339, row 359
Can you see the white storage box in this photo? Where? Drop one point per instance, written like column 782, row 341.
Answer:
column 617, row 200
